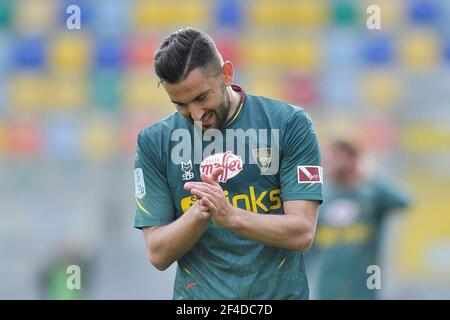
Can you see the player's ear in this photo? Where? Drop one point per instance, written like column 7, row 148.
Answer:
column 228, row 72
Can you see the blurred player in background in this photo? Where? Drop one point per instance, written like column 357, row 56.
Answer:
column 236, row 231
column 349, row 226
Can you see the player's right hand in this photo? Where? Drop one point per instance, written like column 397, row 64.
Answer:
column 199, row 210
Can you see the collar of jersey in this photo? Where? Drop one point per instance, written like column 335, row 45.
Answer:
column 240, row 106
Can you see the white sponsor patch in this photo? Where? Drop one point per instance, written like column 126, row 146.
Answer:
column 231, row 164
column 139, row 183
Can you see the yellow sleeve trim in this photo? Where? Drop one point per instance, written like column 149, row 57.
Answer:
column 140, row 206
column 282, row 263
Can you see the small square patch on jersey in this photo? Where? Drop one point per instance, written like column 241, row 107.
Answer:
column 309, row 174
column 139, row 183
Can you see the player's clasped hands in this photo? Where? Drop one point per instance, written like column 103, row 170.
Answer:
column 212, row 196
column 200, row 210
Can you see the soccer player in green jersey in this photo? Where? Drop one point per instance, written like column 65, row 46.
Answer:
column 229, row 185
column 345, row 253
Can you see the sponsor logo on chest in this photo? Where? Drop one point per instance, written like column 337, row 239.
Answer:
column 231, row 163
column 187, row 170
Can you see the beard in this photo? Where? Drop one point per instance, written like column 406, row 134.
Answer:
column 221, row 112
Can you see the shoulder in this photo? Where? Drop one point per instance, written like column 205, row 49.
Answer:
column 385, row 186
column 275, row 107
column 280, row 114
column 160, row 130
column 154, row 140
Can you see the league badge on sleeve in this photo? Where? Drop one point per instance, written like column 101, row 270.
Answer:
column 309, row 174
column 139, row 183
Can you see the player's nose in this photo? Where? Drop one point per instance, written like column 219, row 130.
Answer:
column 197, row 113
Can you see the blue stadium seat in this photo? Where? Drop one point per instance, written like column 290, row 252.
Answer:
column 378, row 50
column 30, row 53
column 342, row 48
column 109, row 54
column 62, row 138
column 110, row 17
column 6, row 52
column 423, row 11
column 339, row 89
column 229, row 14
column 86, row 11
column 446, row 52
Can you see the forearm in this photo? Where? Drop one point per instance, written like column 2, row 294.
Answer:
column 168, row 243
column 284, row 231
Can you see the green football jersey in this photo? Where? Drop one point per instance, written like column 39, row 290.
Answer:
column 348, row 236
column 270, row 154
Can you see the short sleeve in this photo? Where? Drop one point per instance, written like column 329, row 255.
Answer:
column 154, row 205
column 301, row 174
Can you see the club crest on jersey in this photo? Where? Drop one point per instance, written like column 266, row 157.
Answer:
column 263, row 157
column 231, row 163
column 309, row 174
column 187, row 170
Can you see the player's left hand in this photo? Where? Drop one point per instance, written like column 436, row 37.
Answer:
column 211, row 195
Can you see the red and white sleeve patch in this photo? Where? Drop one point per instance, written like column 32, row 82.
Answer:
column 309, row 174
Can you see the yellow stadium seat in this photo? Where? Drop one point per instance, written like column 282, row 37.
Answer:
column 425, row 138
column 311, row 13
column 420, row 50
column 169, row 13
column 306, row 54
column 67, row 93
column 339, row 125
column 301, row 54
column 380, row 90
column 35, row 16
column 29, row 92
column 426, row 226
column 265, row 84
column 99, row 140
column 141, row 92
column 303, row 13
column 269, row 13
column 70, row 53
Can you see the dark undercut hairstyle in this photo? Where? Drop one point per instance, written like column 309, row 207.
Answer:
column 183, row 51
